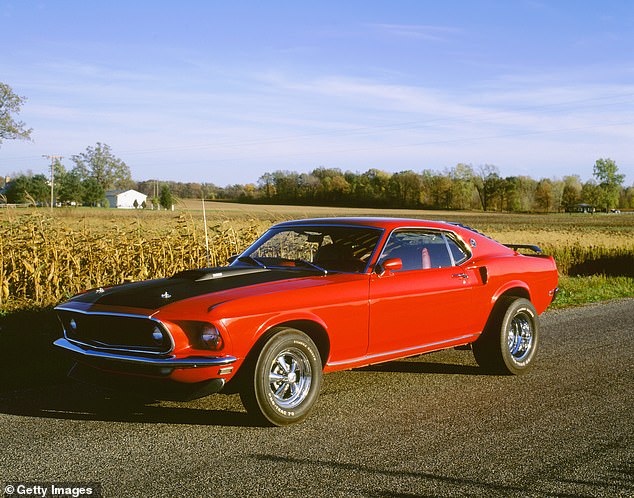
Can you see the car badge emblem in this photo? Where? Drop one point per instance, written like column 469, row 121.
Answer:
column 100, row 290
column 166, row 295
column 472, row 242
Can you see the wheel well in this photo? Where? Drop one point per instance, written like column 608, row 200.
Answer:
column 516, row 292
column 312, row 329
column 316, row 332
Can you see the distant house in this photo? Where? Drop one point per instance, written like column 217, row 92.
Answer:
column 124, row 199
column 582, row 208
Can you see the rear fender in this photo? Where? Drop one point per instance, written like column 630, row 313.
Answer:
column 517, row 288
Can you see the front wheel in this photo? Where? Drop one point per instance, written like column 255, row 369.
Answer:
column 284, row 380
column 510, row 339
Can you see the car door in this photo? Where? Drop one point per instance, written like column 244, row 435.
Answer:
column 428, row 300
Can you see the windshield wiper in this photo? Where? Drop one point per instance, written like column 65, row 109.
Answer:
column 251, row 261
column 311, row 265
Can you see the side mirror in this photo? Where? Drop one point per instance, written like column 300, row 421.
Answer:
column 389, row 265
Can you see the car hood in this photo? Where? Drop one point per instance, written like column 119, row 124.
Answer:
column 154, row 294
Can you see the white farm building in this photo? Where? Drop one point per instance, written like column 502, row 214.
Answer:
column 124, row 199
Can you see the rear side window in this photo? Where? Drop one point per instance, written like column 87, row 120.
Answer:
column 421, row 250
column 459, row 255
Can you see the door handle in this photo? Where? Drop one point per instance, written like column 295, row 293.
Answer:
column 460, row 275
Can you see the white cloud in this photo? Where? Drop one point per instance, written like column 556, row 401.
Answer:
column 278, row 120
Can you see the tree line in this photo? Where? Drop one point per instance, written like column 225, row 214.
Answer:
column 460, row 187
column 96, row 171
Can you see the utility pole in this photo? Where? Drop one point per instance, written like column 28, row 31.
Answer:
column 53, row 160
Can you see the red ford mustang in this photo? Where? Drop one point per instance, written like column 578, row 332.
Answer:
column 308, row 297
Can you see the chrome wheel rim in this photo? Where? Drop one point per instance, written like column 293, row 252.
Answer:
column 290, row 377
column 520, row 336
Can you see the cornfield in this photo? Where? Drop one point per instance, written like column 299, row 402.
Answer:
column 44, row 259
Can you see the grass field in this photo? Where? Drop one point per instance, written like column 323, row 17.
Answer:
column 47, row 256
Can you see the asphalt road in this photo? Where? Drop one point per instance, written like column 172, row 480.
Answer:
column 428, row 426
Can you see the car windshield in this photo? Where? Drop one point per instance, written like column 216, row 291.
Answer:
column 329, row 248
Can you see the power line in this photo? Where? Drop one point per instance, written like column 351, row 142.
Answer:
column 53, row 160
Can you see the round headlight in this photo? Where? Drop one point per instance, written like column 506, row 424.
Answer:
column 211, row 337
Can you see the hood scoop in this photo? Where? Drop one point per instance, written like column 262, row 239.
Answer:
column 203, row 274
column 225, row 272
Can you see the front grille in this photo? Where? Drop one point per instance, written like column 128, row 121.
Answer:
column 118, row 332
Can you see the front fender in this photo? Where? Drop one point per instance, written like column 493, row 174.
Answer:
column 282, row 318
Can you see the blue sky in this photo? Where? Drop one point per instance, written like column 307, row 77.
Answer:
column 224, row 91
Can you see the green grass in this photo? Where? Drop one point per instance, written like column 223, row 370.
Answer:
column 575, row 291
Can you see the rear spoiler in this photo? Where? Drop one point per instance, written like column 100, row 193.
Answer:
column 515, row 247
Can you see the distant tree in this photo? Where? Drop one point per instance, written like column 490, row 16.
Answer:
column 510, row 194
column 571, row 195
column 101, row 165
column 286, row 185
column 334, row 188
column 93, row 193
column 526, row 188
column 266, row 183
column 405, row 189
column 144, row 204
column 461, row 186
column 558, row 192
column 590, row 193
column 610, row 182
column 17, row 189
column 378, row 182
column 436, row 189
column 544, row 194
column 40, row 189
column 234, row 191
column 69, row 187
column 626, row 200
column 309, row 186
column 135, row 204
column 165, row 199
column 25, row 187
column 10, row 105
column 209, row 190
column 487, row 181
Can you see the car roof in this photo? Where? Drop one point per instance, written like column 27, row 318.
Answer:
column 375, row 222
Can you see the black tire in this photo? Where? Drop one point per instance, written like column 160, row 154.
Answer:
column 510, row 340
column 282, row 383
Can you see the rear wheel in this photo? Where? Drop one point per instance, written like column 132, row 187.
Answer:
column 283, row 382
column 510, row 339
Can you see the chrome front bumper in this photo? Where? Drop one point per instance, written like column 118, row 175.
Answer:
column 169, row 362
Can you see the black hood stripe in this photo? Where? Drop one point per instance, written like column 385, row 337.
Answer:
column 153, row 294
